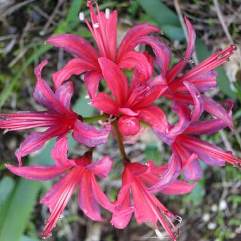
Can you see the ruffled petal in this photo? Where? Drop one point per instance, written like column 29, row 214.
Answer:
column 123, row 211
column 132, row 37
column 75, row 45
column 43, row 93
column 137, row 61
column 102, row 167
column 105, row 103
column 35, row 142
column 92, row 80
column 216, row 110
column 89, row 135
column 38, row 173
column 115, row 79
column 197, row 101
column 190, row 47
column 60, row 151
column 64, row 94
column 73, row 67
column 161, row 51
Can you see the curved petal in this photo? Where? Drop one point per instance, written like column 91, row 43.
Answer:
column 197, row 101
column 161, row 51
column 73, row 67
column 216, row 110
column 137, row 61
column 115, row 79
column 105, row 103
column 123, row 211
column 38, row 173
column 156, row 118
column 64, row 94
column 92, row 80
column 43, row 93
column 86, row 200
column 190, row 46
column 178, row 187
column 102, row 167
column 34, row 142
column 193, row 170
column 60, row 151
column 75, row 45
column 89, row 135
column 132, row 36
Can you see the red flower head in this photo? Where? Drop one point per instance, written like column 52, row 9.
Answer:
column 59, row 119
column 103, row 28
column 130, row 103
column 202, row 76
column 136, row 196
column 78, row 174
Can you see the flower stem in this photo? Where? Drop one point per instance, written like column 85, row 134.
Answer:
column 96, row 118
column 120, row 142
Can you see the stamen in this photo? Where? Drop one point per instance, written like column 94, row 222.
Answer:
column 81, row 16
column 107, row 13
column 96, row 25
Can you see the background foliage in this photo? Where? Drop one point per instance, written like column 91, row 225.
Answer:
column 211, row 211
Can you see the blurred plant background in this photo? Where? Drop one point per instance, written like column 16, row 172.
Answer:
column 212, row 211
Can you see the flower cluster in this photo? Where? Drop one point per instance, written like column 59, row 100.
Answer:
column 127, row 104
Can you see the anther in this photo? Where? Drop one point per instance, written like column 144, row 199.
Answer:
column 107, row 13
column 96, row 25
column 81, row 16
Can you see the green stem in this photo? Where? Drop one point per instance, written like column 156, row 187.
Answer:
column 120, row 142
column 96, row 118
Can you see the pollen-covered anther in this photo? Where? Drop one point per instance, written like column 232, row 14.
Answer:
column 81, row 16
column 107, row 13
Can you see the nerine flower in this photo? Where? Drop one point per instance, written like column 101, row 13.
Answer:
column 58, row 119
column 202, row 76
column 103, row 27
column 136, row 197
column 75, row 174
column 129, row 102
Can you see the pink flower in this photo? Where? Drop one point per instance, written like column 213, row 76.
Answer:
column 202, row 76
column 189, row 149
column 130, row 103
column 75, row 174
column 58, row 119
column 103, row 28
column 136, row 196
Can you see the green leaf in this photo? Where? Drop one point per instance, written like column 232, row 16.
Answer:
column 6, row 187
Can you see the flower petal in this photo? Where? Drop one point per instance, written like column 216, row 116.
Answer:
column 64, row 94
column 132, row 37
column 161, row 51
column 89, row 135
column 38, row 173
column 102, row 167
column 92, row 80
column 105, row 103
column 86, row 199
column 73, row 67
column 178, row 187
column 137, row 61
column 197, row 101
column 34, row 142
column 128, row 125
column 60, row 151
column 75, row 45
column 43, row 93
column 216, row 110
column 115, row 79
column 190, row 46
